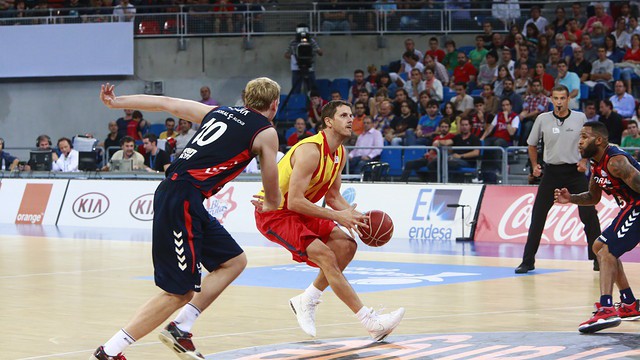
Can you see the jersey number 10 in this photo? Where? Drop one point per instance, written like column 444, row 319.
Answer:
column 210, row 132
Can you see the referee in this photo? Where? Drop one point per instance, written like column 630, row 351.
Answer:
column 560, row 132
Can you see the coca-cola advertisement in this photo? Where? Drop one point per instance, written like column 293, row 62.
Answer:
column 505, row 216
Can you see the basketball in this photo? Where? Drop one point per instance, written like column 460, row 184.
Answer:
column 380, row 228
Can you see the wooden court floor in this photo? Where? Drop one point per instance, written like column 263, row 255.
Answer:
column 62, row 297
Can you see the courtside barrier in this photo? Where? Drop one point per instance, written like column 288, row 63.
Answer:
column 505, row 216
column 31, row 201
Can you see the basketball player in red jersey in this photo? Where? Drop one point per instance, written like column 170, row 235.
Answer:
column 616, row 173
column 308, row 172
column 185, row 235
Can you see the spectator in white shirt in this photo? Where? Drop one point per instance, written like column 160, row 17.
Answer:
column 68, row 159
column 125, row 11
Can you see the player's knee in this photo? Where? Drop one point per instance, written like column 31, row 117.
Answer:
column 180, row 300
column 325, row 258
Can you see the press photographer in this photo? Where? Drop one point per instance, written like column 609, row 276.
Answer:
column 301, row 52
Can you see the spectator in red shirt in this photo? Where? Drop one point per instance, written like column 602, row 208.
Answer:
column 465, row 72
column 300, row 133
column 548, row 82
column 434, row 50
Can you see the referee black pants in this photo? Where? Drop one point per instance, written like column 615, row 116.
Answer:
column 557, row 177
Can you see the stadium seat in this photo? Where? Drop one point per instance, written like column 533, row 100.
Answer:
column 296, row 107
column 616, row 74
column 343, row 86
column 170, row 27
column 447, row 94
column 156, row 129
column 476, row 92
column 324, row 88
column 148, row 27
column 404, row 76
column 413, row 154
column 584, row 92
column 466, row 49
column 393, row 157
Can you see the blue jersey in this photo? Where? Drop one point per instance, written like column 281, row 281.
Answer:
column 220, row 149
column 612, row 185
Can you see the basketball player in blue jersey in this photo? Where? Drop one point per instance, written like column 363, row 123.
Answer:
column 618, row 174
column 185, row 236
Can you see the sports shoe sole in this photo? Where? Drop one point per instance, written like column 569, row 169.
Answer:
column 630, row 318
column 166, row 338
column 599, row 325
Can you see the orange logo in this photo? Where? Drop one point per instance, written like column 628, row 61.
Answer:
column 34, row 203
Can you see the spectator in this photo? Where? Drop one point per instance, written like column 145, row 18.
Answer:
column 384, row 83
column 590, row 110
column 127, row 152
column 439, row 70
column 532, row 36
column 507, row 11
column 488, row 72
column 432, row 85
column 612, row 120
column 300, row 132
column 43, row 142
column 534, row 104
column 381, row 95
column 539, row 21
column 185, row 133
column 123, row 122
column 623, row 103
column 477, row 55
column 68, row 160
column 358, row 84
column 360, row 156
column 367, row 100
column 170, row 125
column 510, row 38
column 465, row 72
column 372, row 78
column 385, row 115
column 573, row 34
column 451, row 58
column 565, row 50
column 137, row 126
column 579, row 65
column 508, row 62
column 598, row 35
column 415, row 85
column 515, row 100
column 7, row 162
column 634, row 28
column 462, row 102
column 155, row 159
column 427, row 126
column 423, row 102
column 205, row 94
column 521, row 83
column 633, row 139
column 572, row 82
column 334, row 16
column 315, row 108
column 307, row 74
column 487, row 34
column 613, row 52
column 632, row 61
column 335, row 95
column 410, row 62
column 253, row 16
column 386, row 11
column 491, row 101
column 552, row 66
column 480, row 118
column 542, row 48
column 560, row 22
column 623, row 39
column 223, row 14
column 442, row 138
column 403, row 95
column 409, row 47
column 434, row 50
column 112, row 141
column 578, row 14
column 524, row 57
column 124, row 11
column 546, row 80
column 450, row 115
column 497, row 43
column 599, row 16
column 501, row 132
column 590, row 51
column 357, row 126
column 406, row 121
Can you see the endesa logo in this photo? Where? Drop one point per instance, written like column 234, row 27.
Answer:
column 220, row 205
column 141, row 208
column 432, row 219
column 90, row 205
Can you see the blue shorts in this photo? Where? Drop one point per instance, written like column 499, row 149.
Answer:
column 624, row 232
column 185, row 235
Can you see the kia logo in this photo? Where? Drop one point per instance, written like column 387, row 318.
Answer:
column 141, row 208
column 90, row 205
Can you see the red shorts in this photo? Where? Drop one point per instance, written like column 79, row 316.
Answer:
column 293, row 231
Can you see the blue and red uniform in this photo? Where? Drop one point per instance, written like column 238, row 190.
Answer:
column 624, row 232
column 185, row 235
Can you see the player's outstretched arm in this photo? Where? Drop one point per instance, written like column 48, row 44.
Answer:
column 181, row 108
column 620, row 167
column 266, row 146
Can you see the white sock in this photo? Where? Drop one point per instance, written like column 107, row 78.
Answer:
column 118, row 343
column 187, row 317
column 313, row 292
column 363, row 313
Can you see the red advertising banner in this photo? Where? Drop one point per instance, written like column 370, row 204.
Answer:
column 505, row 216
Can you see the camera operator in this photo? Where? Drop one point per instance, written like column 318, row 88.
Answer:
column 301, row 52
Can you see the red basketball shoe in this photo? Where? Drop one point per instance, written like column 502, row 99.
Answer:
column 603, row 318
column 180, row 342
column 101, row 355
column 629, row 311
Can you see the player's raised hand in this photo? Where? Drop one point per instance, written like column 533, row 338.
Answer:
column 561, row 196
column 351, row 219
column 107, row 94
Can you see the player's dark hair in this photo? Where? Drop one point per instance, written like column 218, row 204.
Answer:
column 598, row 128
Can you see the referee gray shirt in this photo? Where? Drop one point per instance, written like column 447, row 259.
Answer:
column 560, row 137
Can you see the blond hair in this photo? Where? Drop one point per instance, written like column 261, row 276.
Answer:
column 260, row 93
